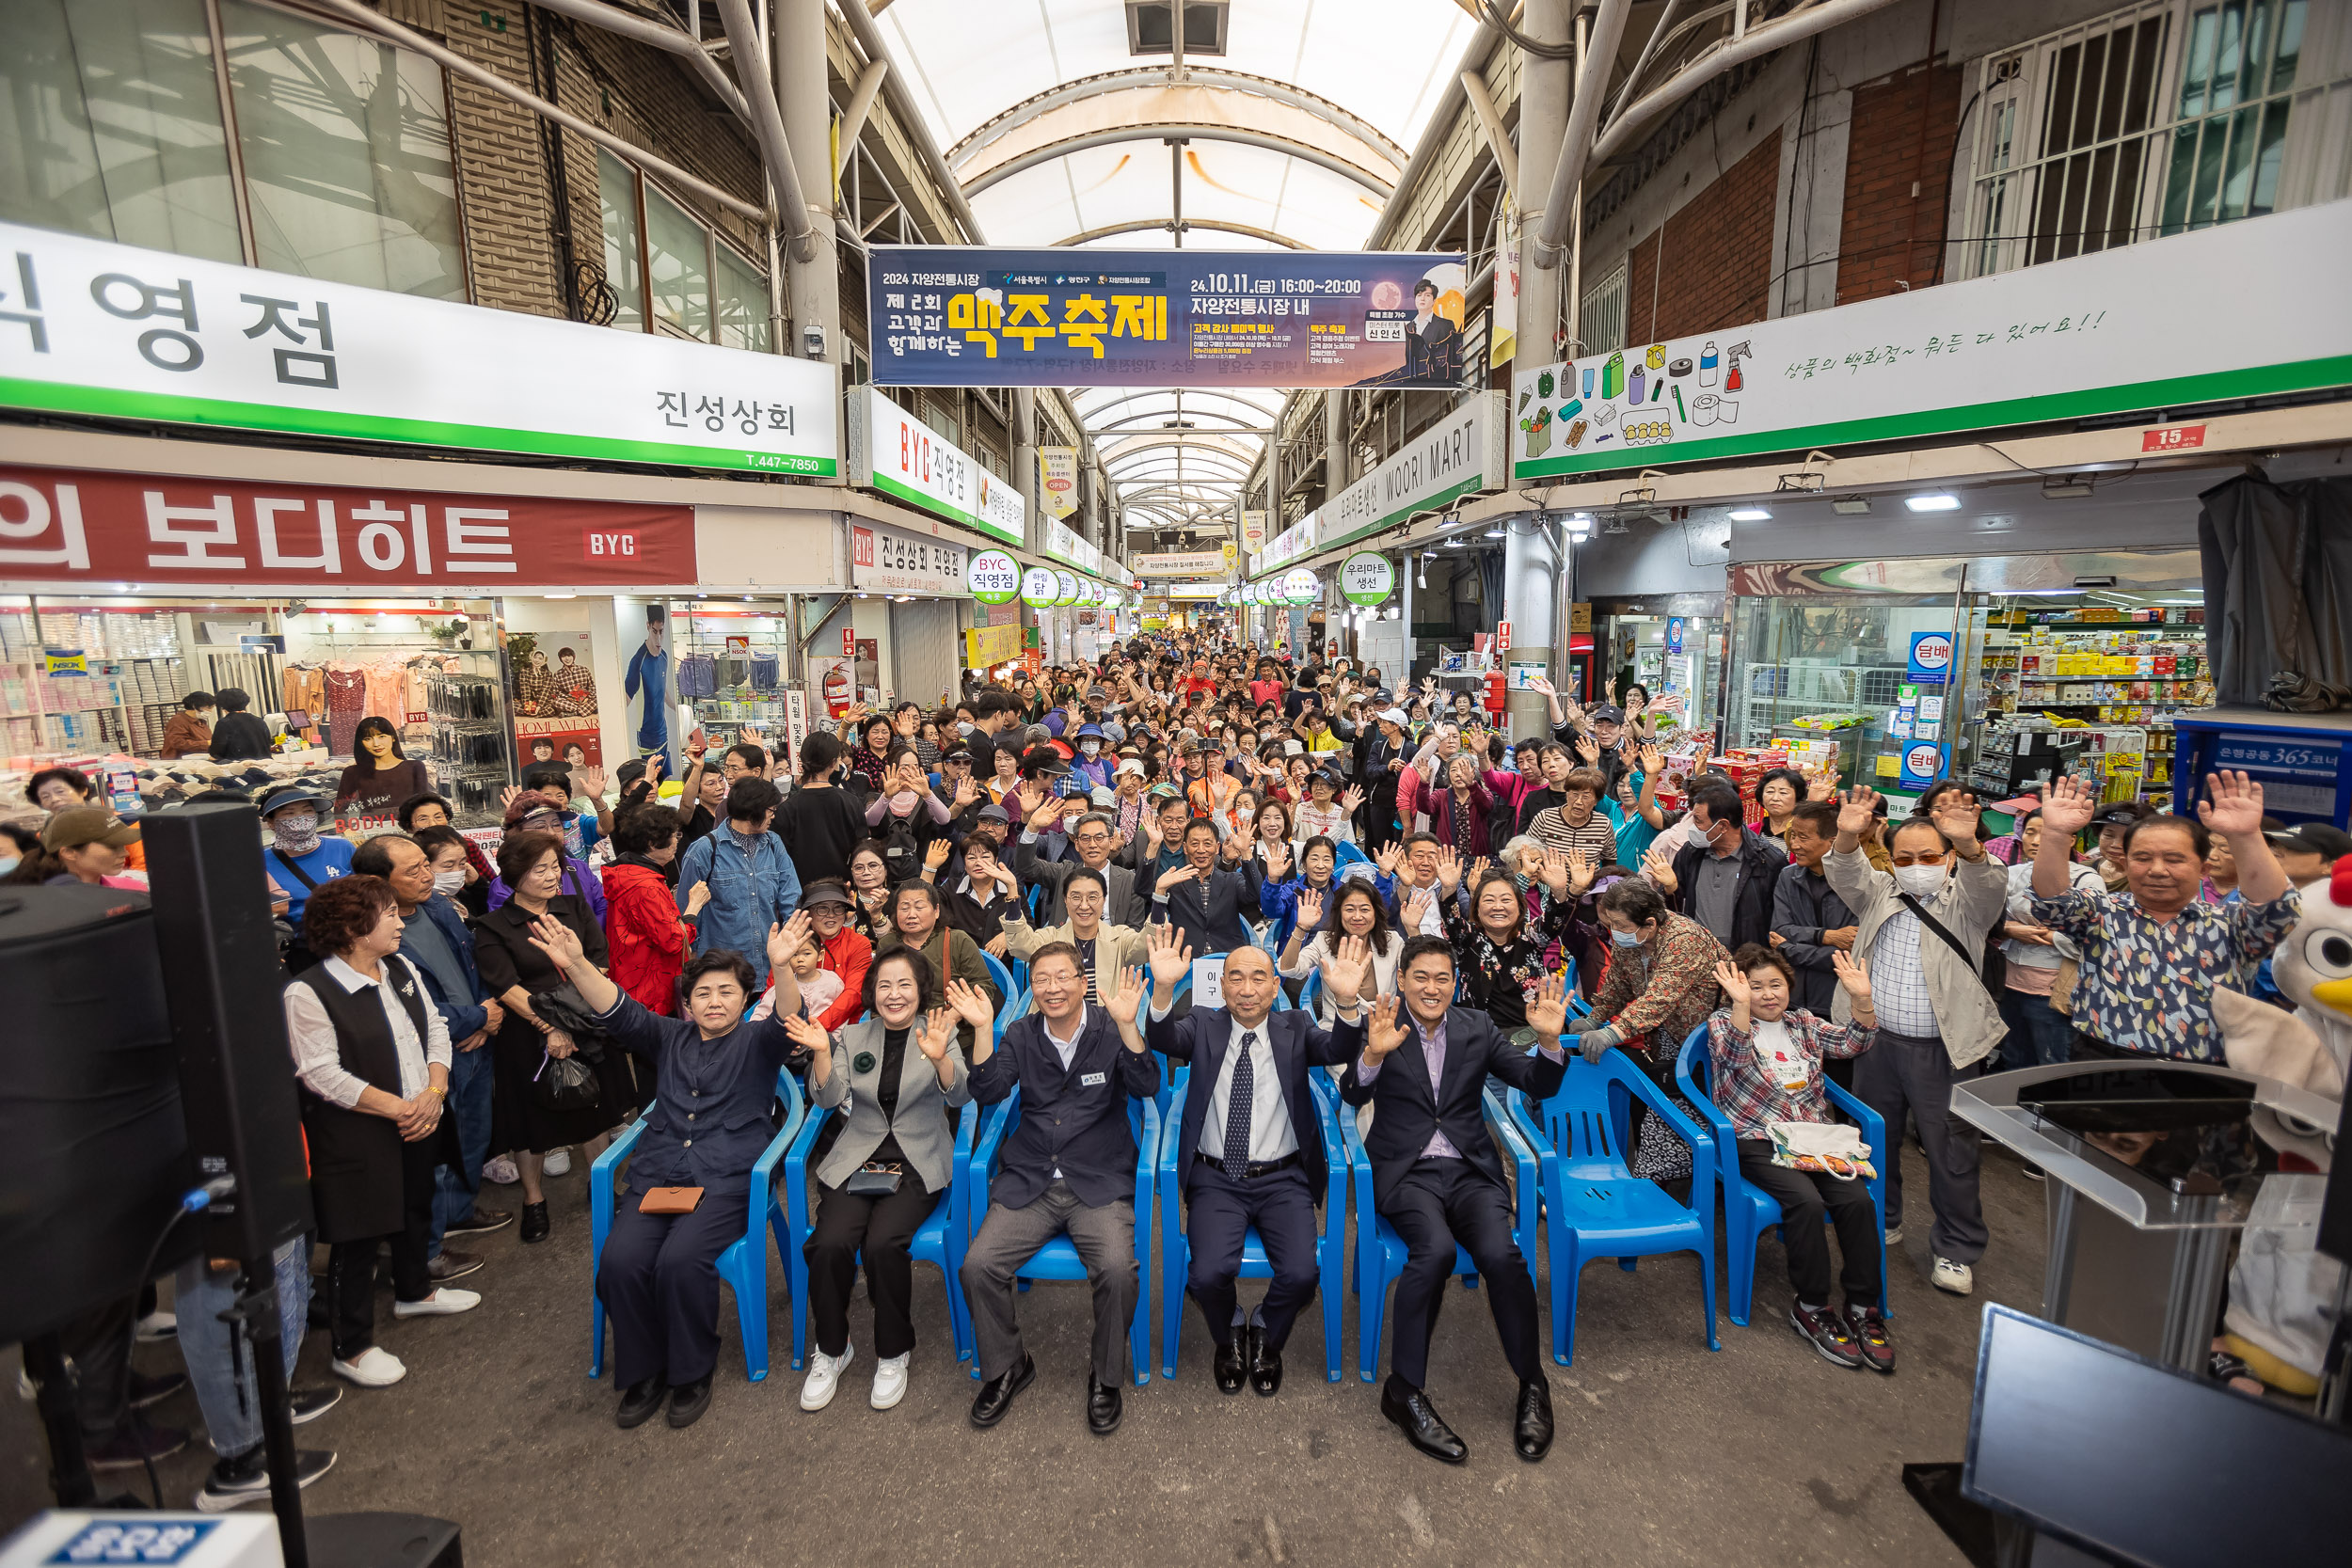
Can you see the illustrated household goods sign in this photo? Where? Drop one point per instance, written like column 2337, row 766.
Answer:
column 91, row 327
column 2111, row 332
column 958, row 316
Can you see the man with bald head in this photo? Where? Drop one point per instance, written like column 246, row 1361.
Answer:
column 1249, row 1151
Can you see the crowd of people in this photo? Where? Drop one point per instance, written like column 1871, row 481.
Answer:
column 1462, row 908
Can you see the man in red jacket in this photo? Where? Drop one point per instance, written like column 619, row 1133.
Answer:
column 641, row 924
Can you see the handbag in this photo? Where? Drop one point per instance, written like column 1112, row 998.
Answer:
column 565, row 1083
column 564, row 1008
column 873, row 1180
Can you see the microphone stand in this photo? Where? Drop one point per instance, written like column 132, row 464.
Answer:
column 257, row 1308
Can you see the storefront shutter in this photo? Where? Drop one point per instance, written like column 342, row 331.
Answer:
column 924, row 658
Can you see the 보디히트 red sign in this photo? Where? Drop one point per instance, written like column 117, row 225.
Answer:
column 63, row 525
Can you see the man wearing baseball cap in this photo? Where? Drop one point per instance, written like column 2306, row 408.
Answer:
column 2309, row 850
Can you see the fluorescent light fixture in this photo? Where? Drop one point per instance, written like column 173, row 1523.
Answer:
column 1851, row 506
column 1495, row 533
column 1939, row 502
column 559, row 595
column 1750, row 514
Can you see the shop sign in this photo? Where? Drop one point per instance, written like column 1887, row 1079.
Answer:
column 117, row 332
column 64, row 525
column 894, row 561
column 1066, row 589
column 2172, row 438
column 1674, row 639
column 1367, row 577
column 2098, row 334
column 1461, row 453
column 1190, row 563
column 1058, row 479
column 994, row 577
column 954, row 316
column 1293, row 542
column 1037, row 587
column 64, row 661
column 1301, row 586
column 1931, row 657
column 1190, row 591
column 897, row 453
column 1252, row 532
column 1064, row 544
column 1923, row 763
column 984, row 647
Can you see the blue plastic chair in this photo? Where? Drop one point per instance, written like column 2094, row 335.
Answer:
column 1748, row 1210
column 1176, row 1247
column 1057, row 1260
column 1596, row 1206
column 1006, row 991
column 1379, row 1251
column 744, row 1263
column 938, row 1241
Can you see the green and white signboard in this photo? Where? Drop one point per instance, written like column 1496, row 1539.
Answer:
column 994, row 577
column 897, row 453
column 1367, row 577
column 1039, row 588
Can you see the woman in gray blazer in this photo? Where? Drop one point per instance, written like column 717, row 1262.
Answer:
column 900, row 1077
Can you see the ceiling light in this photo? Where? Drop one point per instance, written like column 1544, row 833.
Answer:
column 1750, row 514
column 1851, row 506
column 1938, row 502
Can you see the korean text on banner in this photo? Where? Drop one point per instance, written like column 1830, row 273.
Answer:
column 893, row 452
column 119, row 332
column 1057, row 477
column 896, row 561
column 949, row 316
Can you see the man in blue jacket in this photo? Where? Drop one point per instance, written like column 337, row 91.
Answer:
column 752, row 880
column 1069, row 1167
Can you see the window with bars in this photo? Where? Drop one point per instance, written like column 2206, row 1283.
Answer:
column 2166, row 116
column 1600, row 314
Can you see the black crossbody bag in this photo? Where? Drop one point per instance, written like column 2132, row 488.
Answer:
column 1990, row 967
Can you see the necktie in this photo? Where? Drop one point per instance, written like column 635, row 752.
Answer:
column 1237, row 1108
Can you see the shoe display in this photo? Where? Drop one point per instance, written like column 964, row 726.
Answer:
column 535, row 1225
column 639, row 1401
column 1233, row 1362
column 246, row 1477
column 1531, row 1426
column 1265, row 1365
column 146, row 1390
column 1957, row 1279
column 442, row 1303
column 480, row 1223
column 133, row 1443
column 308, row 1405
column 1868, row 1327
column 1103, row 1407
column 558, row 1163
column 1409, row 1411
column 687, row 1402
column 373, row 1367
column 890, row 1381
column 825, row 1376
column 996, row 1396
column 501, row 1171
column 451, row 1264
column 1827, row 1332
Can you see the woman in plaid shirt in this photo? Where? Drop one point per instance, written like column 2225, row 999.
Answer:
column 1767, row 1068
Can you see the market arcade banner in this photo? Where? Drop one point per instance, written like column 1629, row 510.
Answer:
column 960, row 316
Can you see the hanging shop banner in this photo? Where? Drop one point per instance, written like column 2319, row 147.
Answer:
column 956, row 316
column 1064, row 544
column 1252, row 532
column 985, row 647
column 1190, row 563
column 1058, row 473
column 1065, row 589
column 1503, row 340
column 1367, row 577
column 1293, row 542
column 1037, row 587
column 892, row 560
column 67, row 525
column 555, row 707
column 117, row 332
column 892, row 451
column 2101, row 334
column 1461, row 453
column 993, row 577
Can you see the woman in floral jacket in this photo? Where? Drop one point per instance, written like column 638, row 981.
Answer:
column 1660, row 985
column 1499, row 954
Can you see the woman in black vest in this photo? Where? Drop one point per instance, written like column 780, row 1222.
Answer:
column 372, row 1058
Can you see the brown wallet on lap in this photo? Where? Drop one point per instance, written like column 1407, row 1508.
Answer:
column 670, row 1201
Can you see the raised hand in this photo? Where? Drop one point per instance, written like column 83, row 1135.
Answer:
column 1171, row 955
column 2233, row 806
column 1651, row 759
column 1955, row 812
column 1542, row 684
column 1350, row 799
column 1309, row 909
column 1583, row 868
column 966, row 792
column 1547, row 1015
column 1858, row 808
column 1554, row 871
column 1587, row 749
column 788, row 938
column 508, row 796
column 2067, row 806
column 809, row 1036
column 1032, row 793
column 936, row 854
column 1734, row 984
column 1659, row 869
column 1854, row 974
column 592, row 783
column 1346, row 970
column 1231, row 850
column 1385, row 1032
column 1418, row 904
column 559, row 942
column 1449, row 869
column 1386, row 856
column 971, row 1003
column 1278, row 860
column 938, row 1033
column 1478, row 870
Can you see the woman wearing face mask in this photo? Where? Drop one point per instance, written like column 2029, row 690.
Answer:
column 905, row 817
column 300, row 857
column 899, row 1076
column 1093, row 765
column 17, row 841
column 658, row 1277
column 381, row 775
column 454, row 874
column 1658, row 987
column 190, row 729
column 1499, row 954
column 1351, row 909
column 642, row 928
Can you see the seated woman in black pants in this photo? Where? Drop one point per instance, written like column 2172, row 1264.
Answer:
column 1767, row 1061
column 714, row 1087
column 893, row 1157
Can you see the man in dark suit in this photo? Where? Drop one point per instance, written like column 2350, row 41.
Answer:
column 1436, row 1177
column 1094, row 836
column 1248, row 1150
column 1204, row 898
column 1070, row 1165
column 1433, row 342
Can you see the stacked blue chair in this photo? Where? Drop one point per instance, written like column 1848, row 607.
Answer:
column 1596, row 1206
column 1176, row 1249
column 1005, row 988
column 938, row 1241
column 1057, row 1260
column 744, row 1265
column 1379, row 1251
column 1748, row 1210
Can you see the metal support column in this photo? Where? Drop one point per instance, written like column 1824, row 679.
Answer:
column 1023, row 444
column 797, row 56
column 1542, row 122
column 1530, row 560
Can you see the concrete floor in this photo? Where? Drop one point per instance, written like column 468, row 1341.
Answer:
column 1762, row 1453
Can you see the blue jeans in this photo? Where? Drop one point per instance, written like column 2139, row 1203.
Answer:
column 453, row 1187
column 225, row 1387
column 2039, row 1035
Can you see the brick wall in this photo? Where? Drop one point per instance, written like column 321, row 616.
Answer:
column 1717, row 251
column 1897, row 178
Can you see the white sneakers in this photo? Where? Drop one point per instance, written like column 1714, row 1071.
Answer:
column 441, row 1303
column 374, row 1367
column 161, row 1324
column 825, row 1376
column 1955, row 1279
column 890, row 1381
column 1894, row 1235
column 558, row 1163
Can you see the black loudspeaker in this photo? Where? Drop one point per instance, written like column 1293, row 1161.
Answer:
column 93, row 1159
column 222, row 984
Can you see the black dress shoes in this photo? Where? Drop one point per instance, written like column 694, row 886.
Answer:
column 1233, row 1362
column 536, row 1223
column 1265, row 1365
column 1531, row 1433
column 996, row 1396
column 687, row 1402
column 1409, row 1410
column 1102, row 1407
column 639, row 1401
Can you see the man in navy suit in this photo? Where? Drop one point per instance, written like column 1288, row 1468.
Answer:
column 1436, row 1176
column 1205, row 900
column 1248, row 1151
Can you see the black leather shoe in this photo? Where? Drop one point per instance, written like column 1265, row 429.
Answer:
column 996, row 1396
column 1103, row 1407
column 535, row 1225
column 1532, row 1434
column 1233, row 1362
column 1265, row 1365
column 639, row 1401
column 687, row 1402
column 1408, row 1409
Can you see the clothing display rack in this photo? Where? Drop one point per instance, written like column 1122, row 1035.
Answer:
column 468, row 744
column 731, row 663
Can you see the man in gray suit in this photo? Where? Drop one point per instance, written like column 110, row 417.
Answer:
column 1094, row 836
